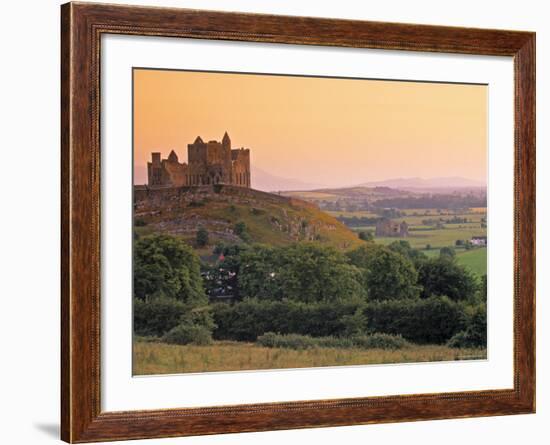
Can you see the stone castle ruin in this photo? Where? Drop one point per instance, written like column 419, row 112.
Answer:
column 387, row 227
column 209, row 163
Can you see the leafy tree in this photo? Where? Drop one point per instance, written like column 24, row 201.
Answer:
column 447, row 252
column 184, row 334
column 387, row 275
column 168, row 288
column 222, row 278
column 258, row 273
column 366, row 236
column 202, row 237
column 230, row 249
column 432, row 320
column 475, row 334
column 306, row 272
column 443, row 276
column 195, row 326
column 404, row 248
column 164, row 266
column 241, row 231
column 155, row 317
column 354, row 324
column 251, row 317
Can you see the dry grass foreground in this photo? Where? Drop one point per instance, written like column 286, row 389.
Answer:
column 159, row 358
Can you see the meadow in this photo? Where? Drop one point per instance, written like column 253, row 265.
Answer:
column 159, row 358
column 474, row 259
column 436, row 238
column 308, row 289
column 430, row 239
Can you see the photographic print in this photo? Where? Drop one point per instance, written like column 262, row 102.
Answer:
column 285, row 221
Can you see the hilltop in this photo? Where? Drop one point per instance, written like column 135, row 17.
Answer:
column 380, row 197
column 437, row 185
column 269, row 218
column 359, row 192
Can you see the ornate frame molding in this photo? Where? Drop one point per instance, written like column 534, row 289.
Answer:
column 82, row 25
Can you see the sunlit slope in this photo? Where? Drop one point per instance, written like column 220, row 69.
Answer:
column 268, row 218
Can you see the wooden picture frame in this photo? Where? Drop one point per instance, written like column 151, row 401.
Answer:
column 82, row 25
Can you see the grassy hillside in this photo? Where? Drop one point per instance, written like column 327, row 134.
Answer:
column 268, row 218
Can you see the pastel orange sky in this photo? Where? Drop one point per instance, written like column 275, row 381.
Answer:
column 335, row 132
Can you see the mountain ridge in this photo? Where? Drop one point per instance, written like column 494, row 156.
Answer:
column 442, row 182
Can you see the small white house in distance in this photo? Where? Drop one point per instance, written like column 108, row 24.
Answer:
column 479, row 240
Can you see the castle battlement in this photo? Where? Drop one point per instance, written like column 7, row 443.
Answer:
column 208, row 163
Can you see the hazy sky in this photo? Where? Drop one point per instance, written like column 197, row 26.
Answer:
column 335, row 132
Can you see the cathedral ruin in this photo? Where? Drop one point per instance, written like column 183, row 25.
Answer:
column 208, row 163
column 387, row 227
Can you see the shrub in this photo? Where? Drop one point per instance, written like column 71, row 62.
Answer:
column 250, row 318
column 184, row 334
column 387, row 275
column 138, row 338
column 366, row 235
column 354, row 324
column 166, row 267
column 202, row 237
column 447, row 252
column 431, row 320
column 460, row 340
column 404, row 248
column 155, row 317
column 290, row 341
column 380, row 341
column 475, row 334
column 241, row 231
column 300, row 342
column 444, row 276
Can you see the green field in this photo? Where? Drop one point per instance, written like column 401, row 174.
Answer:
column 474, row 213
column 436, row 238
column 422, row 235
column 475, row 260
column 159, row 358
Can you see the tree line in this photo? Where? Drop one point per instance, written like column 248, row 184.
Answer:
column 304, row 289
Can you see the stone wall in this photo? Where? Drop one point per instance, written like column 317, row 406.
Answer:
column 209, row 163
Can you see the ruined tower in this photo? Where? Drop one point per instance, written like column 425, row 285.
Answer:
column 208, row 163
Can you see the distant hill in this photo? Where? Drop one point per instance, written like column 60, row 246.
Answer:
column 360, row 193
column 262, row 180
column 269, row 218
column 421, row 184
column 367, row 198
